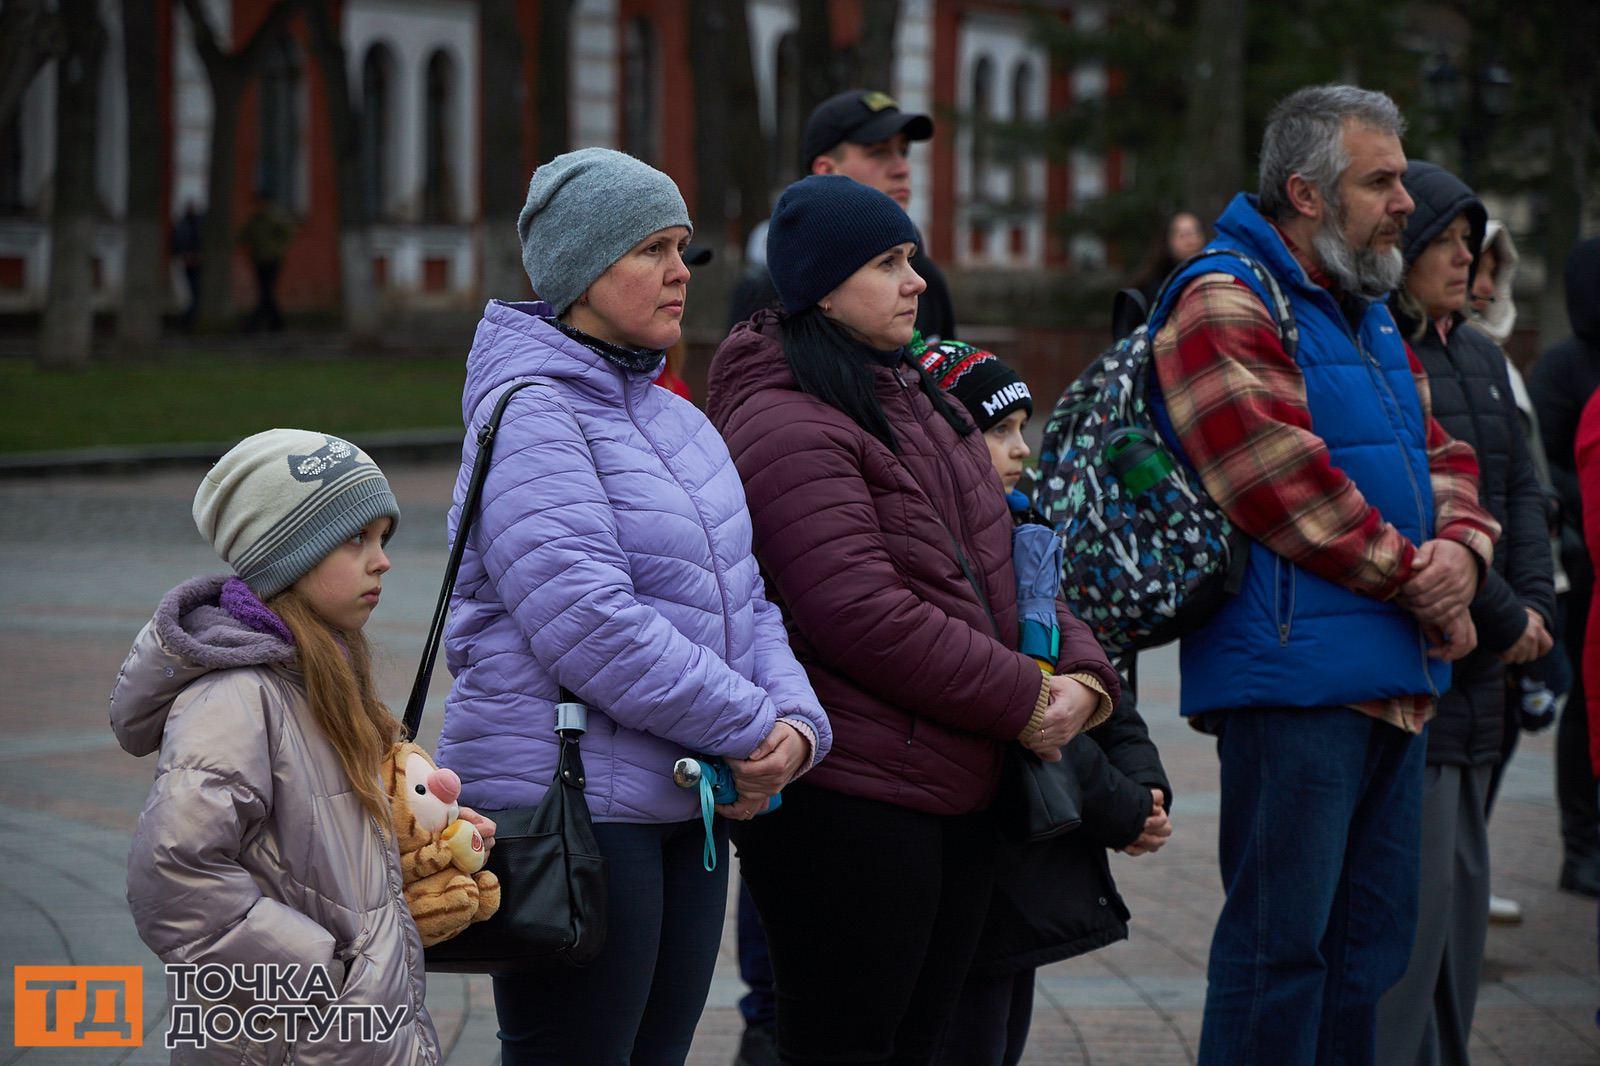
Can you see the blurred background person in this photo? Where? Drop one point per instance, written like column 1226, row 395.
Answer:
column 1426, row 1018
column 1561, row 383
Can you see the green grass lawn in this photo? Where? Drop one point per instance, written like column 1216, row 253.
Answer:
column 223, row 397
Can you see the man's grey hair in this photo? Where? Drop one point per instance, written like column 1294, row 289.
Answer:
column 1305, row 136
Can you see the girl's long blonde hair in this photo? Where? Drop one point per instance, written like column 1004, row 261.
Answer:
column 337, row 667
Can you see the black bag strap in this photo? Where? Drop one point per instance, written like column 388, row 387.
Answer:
column 569, row 711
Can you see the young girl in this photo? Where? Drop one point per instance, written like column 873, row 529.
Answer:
column 266, row 837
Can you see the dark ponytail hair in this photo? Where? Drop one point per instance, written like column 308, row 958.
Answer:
column 830, row 364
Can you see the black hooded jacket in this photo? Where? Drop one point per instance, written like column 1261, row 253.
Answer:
column 1472, row 400
column 1561, row 383
column 1056, row 899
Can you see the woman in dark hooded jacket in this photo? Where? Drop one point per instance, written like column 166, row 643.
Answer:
column 1427, row 1016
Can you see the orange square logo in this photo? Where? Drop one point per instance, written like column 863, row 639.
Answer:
column 78, row 1006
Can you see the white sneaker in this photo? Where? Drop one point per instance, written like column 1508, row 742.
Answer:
column 1504, row 911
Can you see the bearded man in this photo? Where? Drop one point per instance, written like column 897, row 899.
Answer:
column 1366, row 543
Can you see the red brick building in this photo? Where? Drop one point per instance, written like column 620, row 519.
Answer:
column 414, row 78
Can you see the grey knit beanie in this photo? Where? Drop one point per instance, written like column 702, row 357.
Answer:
column 278, row 502
column 585, row 209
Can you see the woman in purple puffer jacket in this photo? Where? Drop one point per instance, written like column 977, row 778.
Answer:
column 612, row 557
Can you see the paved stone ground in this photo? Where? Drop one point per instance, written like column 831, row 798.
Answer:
column 83, row 561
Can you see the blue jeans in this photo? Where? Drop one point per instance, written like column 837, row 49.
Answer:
column 639, row 1001
column 1319, row 849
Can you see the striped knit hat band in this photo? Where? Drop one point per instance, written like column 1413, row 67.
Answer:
column 277, row 503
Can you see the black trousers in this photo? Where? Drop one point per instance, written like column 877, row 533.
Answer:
column 1575, row 791
column 990, row 1025
column 872, row 914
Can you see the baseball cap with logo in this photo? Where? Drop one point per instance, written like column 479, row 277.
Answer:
column 859, row 117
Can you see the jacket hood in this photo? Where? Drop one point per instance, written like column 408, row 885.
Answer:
column 1501, row 316
column 190, row 635
column 1583, row 291
column 514, row 341
column 751, row 359
column 1440, row 196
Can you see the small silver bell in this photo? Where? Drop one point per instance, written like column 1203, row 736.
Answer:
column 686, row 772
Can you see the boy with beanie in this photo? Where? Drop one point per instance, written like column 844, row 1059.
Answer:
column 997, row 399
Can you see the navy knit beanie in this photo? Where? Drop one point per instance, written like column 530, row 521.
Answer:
column 824, row 229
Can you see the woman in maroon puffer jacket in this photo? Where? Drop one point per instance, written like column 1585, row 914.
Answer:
column 884, row 535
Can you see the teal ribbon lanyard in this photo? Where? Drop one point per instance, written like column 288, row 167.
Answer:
column 708, row 811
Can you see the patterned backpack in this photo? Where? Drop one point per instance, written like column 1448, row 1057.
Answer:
column 1148, row 556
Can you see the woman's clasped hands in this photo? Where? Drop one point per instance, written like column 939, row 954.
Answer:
column 775, row 762
column 1071, row 705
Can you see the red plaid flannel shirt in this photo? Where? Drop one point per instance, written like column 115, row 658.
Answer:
column 1238, row 404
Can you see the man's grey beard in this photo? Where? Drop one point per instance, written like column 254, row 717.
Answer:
column 1364, row 272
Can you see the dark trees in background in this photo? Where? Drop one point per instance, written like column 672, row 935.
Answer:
column 229, row 75
column 145, row 287
column 1213, row 114
column 358, row 296
column 872, row 61
column 505, row 182
column 1527, row 119
column 554, row 133
column 731, row 180
column 67, row 332
column 30, row 36
column 824, row 70
column 751, row 172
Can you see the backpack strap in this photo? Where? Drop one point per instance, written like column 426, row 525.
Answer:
column 1277, row 303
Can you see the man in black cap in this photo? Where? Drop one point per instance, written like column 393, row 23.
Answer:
column 864, row 135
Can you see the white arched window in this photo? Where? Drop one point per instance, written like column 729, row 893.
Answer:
column 1021, row 112
column 377, row 134
column 982, row 127
column 438, row 169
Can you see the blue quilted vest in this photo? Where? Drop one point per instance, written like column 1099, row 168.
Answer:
column 1290, row 638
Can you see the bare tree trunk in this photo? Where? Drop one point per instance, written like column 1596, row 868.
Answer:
column 551, row 108
column 144, row 275
column 1563, row 215
column 216, row 230
column 30, row 36
column 707, row 46
column 67, row 333
column 358, row 297
column 504, row 183
column 229, row 74
column 874, row 66
column 1214, row 115
column 819, row 71
column 744, row 119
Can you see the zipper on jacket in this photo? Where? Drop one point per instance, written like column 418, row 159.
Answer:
column 895, row 370
column 1284, row 606
column 694, row 500
column 1375, row 369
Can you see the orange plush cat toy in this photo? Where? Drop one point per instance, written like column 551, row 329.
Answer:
column 441, row 854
